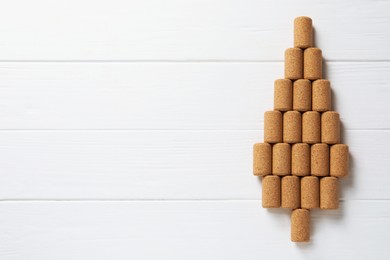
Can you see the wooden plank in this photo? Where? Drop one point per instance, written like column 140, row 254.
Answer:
column 174, row 96
column 162, row 165
column 188, row 30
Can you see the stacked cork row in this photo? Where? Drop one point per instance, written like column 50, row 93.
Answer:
column 301, row 159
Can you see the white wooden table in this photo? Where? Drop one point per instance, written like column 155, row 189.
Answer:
column 126, row 128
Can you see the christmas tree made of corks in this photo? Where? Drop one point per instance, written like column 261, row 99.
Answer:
column 301, row 159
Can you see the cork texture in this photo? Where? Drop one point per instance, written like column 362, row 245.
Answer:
column 281, row 159
column 262, row 159
column 271, row 191
column 273, row 127
column 283, row 94
column 300, row 159
column 302, row 95
column 320, row 160
column 291, row 198
column 303, row 32
column 329, row 193
column 321, row 96
column 339, row 160
column 300, row 225
column 312, row 67
column 311, row 127
column 310, row 192
column 330, row 127
column 293, row 63
column 292, row 127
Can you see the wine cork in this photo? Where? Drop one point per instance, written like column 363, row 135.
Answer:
column 339, row 160
column 291, row 190
column 283, row 92
column 300, row 159
column 330, row 127
column 329, row 193
column 303, row 32
column 293, row 63
column 310, row 192
column 271, row 191
column 312, row 67
column 302, row 95
column 300, row 225
column 281, row 159
column 262, row 159
column 311, row 127
column 273, row 127
column 292, row 127
column 321, row 95
column 320, row 160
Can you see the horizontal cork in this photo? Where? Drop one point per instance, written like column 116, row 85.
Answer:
column 330, row 127
column 281, row 159
column 292, row 127
column 310, row 192
column 303, row 32
column 312, row 67
column 320, row 160
column 300, row 225
column 311, row 127
column 262, row 159
column 293, row 63
column 329, row 193
column 321, row 95
column 300, row 159
column 302, row 95
column 283, row 92
column 273, row 127
column 339, row 160
column 271, row 191
column 291, row 198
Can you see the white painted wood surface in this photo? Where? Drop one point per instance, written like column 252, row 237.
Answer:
column 126, row 128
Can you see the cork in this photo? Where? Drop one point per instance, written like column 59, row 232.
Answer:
column 312, row 67
column 262, row 159
column 311, row 127
column 271, row 191
column 300, row 225
column 320, row 160
column 310, row 192
column 303, row 32
column 339, row 160
column 330, row 127
column 291, row 190
column 302, row 95
column 283, row 92
column 273, row 127
column 321, row 96
column 292, row 127
column 300, row 159
column 281, row 159
column 329, row 193
column 293, row 63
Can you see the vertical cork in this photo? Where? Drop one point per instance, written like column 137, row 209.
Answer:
column 281, row 159
column 321, row 95
column 293, row 63
column 329, row 193
column 311, row 127
column 292, row 127
column 310, row 192
column 291, row 198
column 320, row 160
column 303, row 32
column 300, row 159
column 302, row 95
column 283, row 92
column 300, row 225
column 330, row 127
column 271, row 192
column 339, row 160
column 262, row 159
column 273, row 127
column 312, row 67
